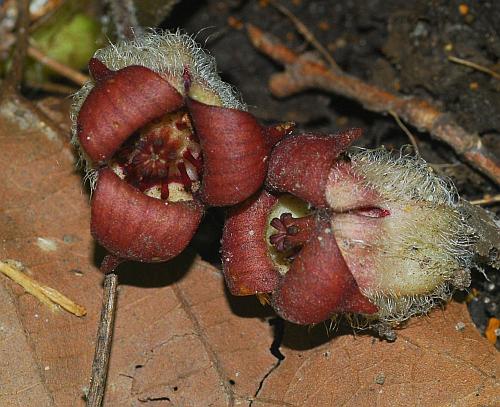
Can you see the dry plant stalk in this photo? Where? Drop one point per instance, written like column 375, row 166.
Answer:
column 47, row 295
column 487, row 200
column 306, row 33
column 475, row 66
column 62, row 69
column 411, row 137
column 103, row 344
column 306, row 72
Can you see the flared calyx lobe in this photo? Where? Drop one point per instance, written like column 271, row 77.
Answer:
column 121, row 103
column 235, row 152
column 146, row 235
column 301, row 164
column 318, row 283
column 365, row 233
column 158, row 119
column 248, row 268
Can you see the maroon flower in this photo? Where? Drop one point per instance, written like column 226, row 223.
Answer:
column 163, row 144
column 361, row 233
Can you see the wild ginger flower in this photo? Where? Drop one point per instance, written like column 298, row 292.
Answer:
column 362, row 232
column 163, row 137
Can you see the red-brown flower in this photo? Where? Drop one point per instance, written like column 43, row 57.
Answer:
column 163, row 138
column 362, row 233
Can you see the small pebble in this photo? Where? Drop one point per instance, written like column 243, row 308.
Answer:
column 380, row 378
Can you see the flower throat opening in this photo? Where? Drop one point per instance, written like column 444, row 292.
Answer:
column 163, row 159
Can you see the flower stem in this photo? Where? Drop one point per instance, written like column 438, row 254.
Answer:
column 104, row 337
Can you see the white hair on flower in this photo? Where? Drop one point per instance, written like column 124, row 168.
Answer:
column 164, row 52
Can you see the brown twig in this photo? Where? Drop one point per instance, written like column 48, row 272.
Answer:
column 302, row 72
column 486, row 200
column 51, row 87
column 14, row 78
column 104, row 339
column 58, row 67
column 411, row 137
column 475, row 66
column 306, row 33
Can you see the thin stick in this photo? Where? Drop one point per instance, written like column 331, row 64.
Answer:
column 306, row 33
column 486, row 200
column 103, row 345
column 473, row 65
column 411, row 137
column 51, row 87
column 63, row 70
column 302, row 73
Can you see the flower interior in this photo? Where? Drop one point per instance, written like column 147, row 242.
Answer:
column 163, row 159
column 290, row 224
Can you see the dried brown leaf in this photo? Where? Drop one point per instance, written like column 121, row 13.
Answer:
column 432, row 363
column 23, row 386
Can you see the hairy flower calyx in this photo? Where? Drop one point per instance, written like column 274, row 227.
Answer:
column 377, row 235
column 158, row 125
